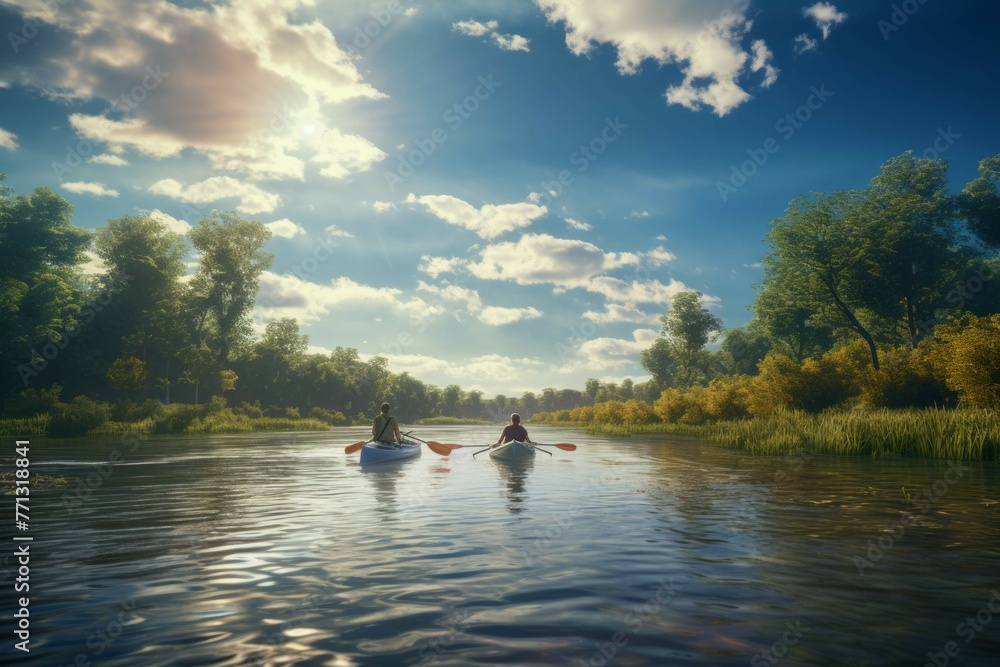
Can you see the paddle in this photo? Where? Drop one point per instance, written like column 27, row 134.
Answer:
column 566, row 446
column 482, row 450
column 540, row 449
column 350, row 449
column 436, row 447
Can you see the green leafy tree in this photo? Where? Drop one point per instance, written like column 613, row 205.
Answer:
column 979, row 202
column 226, row 284
column 128, row 374
column 688, row 328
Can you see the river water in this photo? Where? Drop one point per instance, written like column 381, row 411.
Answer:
column 278, row 549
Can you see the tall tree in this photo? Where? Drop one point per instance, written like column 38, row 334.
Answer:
column 822, row 258
column 225, row 286
column 688, row 328
column 979, row 202
column 908, row 215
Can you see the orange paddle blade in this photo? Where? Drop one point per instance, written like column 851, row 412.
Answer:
column 350, row 449
column 438, row 448
column 445, row 444
column 569, row 447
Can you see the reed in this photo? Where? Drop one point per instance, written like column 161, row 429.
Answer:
column 226, row 422
column 929, row 433
column 30, row 426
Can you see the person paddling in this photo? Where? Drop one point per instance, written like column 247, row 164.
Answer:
column 514, row 431
column 385, row 422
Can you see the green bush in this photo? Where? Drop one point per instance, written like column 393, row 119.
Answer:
column 177, row 417
column 253, row 410
column 331, row 417
column 78, row 417
column 292, row 413
column 31, row 402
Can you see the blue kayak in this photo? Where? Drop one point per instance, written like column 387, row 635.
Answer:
column 380, row 451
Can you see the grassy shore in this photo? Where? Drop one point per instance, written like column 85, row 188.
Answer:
column 929, row 433
column 451, row 421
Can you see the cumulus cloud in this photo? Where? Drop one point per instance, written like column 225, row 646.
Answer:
column 541, row 258
column 85, row 188
column 762, row 58
column 506, row 42
column 488, row 221
column 602, row 354
column 94, row 265
column 172, row 223
column 619, row 312
column 435, row 266
column 383, row 206
column 234, row 81
column 639, row 214
column 804, row 43
column 578, row 224
column 8, row 140
column 109, row 159
column 334, row 230
column 703, row 38
column 285, row 295
column 825, row 15
column 488, row 367
column 490, row 315
column 252, row 199
column 285, row 228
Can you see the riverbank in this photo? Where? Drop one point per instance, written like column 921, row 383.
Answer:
column 929, row 433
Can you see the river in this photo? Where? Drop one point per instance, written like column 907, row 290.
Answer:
column 278, row 549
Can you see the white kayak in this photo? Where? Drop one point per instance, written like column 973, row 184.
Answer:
column 379, row 451
column 513, row 451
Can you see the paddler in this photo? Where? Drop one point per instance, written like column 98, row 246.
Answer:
column 514, row 431
column 386, row 422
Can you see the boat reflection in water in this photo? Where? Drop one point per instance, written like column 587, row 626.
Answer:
column 515, row 474
column 387, row 478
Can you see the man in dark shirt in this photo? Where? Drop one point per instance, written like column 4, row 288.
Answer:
column 514, row 431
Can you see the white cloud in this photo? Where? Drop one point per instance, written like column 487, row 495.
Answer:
column 84, row 188
column 635, row 292
column 8, row 140
column 659, row 256
column 825, row 15
column 487, row 367
column 285, row 228
column 578, row 224
column 435, row 266
column 601, row 354
column 488, row 221
column 497, row 316
column 234, row 82
column 661, row 237
column 334, row 230
column 94, row 266
column 639, row 214
column 109, row 159
column 494, row 316
column 540, row 258
column 345, row 154
column 618, row 312
column 474, row 28
column 506, row 42
column 511, row 42
column 762, row 58
column 285, row 295
column 252, row 199
column 805, row 43
column 411, row 11
column 383, row 206
column 704, row 39
column 172, row 223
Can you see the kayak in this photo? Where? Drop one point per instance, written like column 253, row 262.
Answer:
column 513, row 451
column 380, row 451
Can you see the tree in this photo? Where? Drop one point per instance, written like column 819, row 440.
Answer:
column 680, row 357
column 451, row 400
column 979, row 202
column 742, row 349
column 791, row 327
column 907, row 217
column 822, row 259
column 591, row 388
column 228, row 277
column 127, row 374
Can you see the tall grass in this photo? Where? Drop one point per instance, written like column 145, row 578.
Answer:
column 929, row 433
column 227, row 422
column 37, row 425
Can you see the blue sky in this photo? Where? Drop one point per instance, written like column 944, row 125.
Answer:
column 411, row 175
